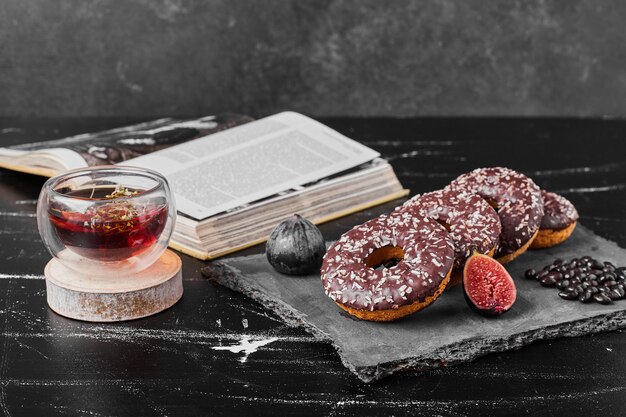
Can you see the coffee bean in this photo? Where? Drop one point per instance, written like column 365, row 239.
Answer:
column 610, row 275
column 585, row 279
column 602, row 299
column 569, row 295
column 585, row 297
column 548, row 281
column 555, row 275
column 596, row 265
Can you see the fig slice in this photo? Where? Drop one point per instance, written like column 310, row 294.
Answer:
column 488, row 288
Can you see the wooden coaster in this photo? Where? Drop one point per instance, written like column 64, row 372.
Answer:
column 114, row 298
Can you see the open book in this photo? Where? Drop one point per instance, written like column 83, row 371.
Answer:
column 114, row 146
column 234, row 179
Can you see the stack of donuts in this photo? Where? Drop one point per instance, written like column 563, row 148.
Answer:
column 400, row 263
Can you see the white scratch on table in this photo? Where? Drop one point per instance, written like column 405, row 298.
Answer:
column 258, row 313
column 20, row 276
column 418, row 152
column 20, row 232
column 246, row 346
column 599, row 189
column 76, row 411
column 413, row 174
column 436, row 406
column 4, row 354
column 576, row 170
column 23, row 202
column 131, row 335
column 17, row 214
column 24, row 345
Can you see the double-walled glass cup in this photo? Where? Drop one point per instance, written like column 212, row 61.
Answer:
column 106, row 220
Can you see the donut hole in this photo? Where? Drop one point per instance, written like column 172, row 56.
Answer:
column 384, row 257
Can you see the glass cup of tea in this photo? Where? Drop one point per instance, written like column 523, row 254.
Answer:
column 106, row 220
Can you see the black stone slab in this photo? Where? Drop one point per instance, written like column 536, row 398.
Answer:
column 447, row 332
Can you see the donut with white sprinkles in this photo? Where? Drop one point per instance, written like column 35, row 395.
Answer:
column 420, row 249
column 558, row 221
column 473, row 224
column 516, row 198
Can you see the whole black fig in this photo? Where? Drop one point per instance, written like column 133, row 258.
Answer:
column 295, row 247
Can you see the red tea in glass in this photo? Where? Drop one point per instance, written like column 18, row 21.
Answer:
column 109, row 231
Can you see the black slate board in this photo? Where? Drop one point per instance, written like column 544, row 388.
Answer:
column 447, row 332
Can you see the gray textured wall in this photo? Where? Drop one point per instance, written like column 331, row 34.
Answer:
column 328, row 57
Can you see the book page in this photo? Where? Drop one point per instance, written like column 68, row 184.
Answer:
column 120, row 144
column 246, row 163
column 47, row 162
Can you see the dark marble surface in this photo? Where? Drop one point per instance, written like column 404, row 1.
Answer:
column 165, row 365
column 320, row 57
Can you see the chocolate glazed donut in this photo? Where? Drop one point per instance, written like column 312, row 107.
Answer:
column 558, row 221
column 516, row 198
column 473, row 224
column 421, row 250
